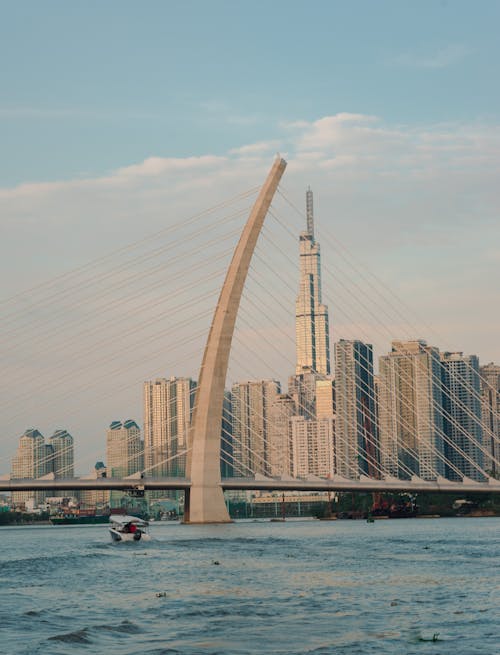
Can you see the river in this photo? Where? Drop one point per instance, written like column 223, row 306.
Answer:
column 402, row 587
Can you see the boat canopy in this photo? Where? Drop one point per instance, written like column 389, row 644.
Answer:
column 123, row 519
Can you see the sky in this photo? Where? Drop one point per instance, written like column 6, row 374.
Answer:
column 119, row 118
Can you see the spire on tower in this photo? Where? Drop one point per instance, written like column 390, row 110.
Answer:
column 309, row 212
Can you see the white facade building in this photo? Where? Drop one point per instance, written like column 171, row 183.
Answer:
column 251, row 405
column 313, row 447
column 168, row 406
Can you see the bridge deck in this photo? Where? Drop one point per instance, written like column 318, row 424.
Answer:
column 266, row 484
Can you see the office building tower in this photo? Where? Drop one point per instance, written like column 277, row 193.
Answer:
column 29, row 463
column 490, row 392
column 462, row 424
column 410, row 411
column 280, row 436
column 313, row 447
column 311, row 322
column 168, row 406
column 356, row 436
column 251, row 403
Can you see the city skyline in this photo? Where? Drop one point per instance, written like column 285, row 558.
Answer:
column 397, row 131
column 304, row 323
column 420, row 416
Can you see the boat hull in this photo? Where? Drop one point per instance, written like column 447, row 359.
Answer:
column 137, row 536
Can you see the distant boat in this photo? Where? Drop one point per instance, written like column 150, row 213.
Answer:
column 128, row 528
column 79, row 519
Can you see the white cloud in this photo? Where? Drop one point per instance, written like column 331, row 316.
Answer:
column 441, row 58
column 255, row 148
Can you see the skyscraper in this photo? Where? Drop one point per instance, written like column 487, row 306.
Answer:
column 280, row 437
column 124, row 453
column 462, row 416
column 311, row 322
column 62, row 458
column 325, row 398
column 124, row 449
column 410, row 411
column 226, row 439
column 168, row 405
column 490, row 390
column 60, row 455
column 313, row 448
column 29, row 462
column 356, row 436
column 251, row 405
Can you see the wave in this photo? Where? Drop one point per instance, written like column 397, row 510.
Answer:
column 76, row 637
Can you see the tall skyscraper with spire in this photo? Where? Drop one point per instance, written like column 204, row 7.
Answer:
column 311, row 316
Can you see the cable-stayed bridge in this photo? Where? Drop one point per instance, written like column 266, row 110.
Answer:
column 445, row 438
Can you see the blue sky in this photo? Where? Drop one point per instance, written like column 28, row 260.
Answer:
column 87, row 87
column 118, row 119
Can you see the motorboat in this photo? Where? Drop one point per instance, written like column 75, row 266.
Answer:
column 128, row 528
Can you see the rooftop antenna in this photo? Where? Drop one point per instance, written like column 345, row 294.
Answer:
column 309, row 212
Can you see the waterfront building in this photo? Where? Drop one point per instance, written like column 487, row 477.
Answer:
column 356, row 435
column 313, row 447
column 226, row 444
column 61, row 462
column 29, row 462
column 462, row 423
column 411, row 411
column 251, row 402
column 59, row 459
column 124, row 453
column 95, row 499
column 124, row 449
column 311, row 322
column 490, row 392
column 280, row 436
column 168, row 406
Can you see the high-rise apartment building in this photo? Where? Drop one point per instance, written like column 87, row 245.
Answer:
column 356, row 436
column 95, row 498
column 226, row 443
column 462, row 423
column 251, row 404
column 410, row 411
column 280, row 436
column 302, row 388
column 168, row 405
column 311, row 322
column 313, row 447
column 124, row 449
column 490, row 392
column 325, row 398
column 61, row 461
column 29, row 462
column 124, row 453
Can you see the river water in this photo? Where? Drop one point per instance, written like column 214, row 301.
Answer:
column 402, row 587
